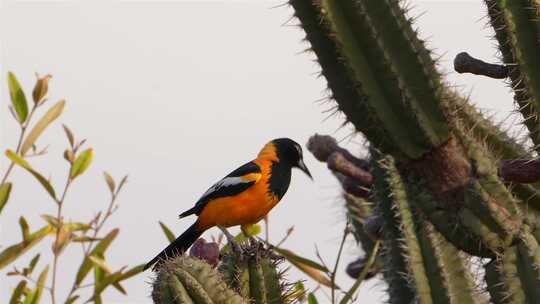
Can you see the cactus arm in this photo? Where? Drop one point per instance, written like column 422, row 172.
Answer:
column 395, row 265
column 495, row 283
column 381, row 95
column 387, row 108
column 177, row 294
column 256, row 282
column 524, row 34
column 402, row 245
column 483, row 130
column 186, row 277
column 496, row 205
column 274, row 292
column 408, row 230
column 255, row 274
column 193, row 286
column 528, row 274
column 511, row 279
column 458, row 279
column 348, row 95
column 411, row 62
column 515, row 31
column 431, row 262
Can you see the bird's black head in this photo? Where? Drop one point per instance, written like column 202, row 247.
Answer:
column 290, row 152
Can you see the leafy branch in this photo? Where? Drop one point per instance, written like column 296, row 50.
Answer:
column 64, row 233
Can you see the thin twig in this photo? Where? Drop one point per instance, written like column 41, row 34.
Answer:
column 60, row 203
column 349, row 295
column 287, row 235
column 24, row 126
column 334, row 271
column 318, row 253
column 29, row 278
column 100, row 222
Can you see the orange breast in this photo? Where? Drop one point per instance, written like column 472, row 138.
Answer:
column 247, row 207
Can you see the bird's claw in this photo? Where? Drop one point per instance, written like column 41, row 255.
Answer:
column 231, row 240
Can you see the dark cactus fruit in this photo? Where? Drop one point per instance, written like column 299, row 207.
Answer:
column 208, row 252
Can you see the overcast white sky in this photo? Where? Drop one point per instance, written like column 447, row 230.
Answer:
column 179, row 93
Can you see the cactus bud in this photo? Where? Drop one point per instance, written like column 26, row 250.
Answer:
column 41, row 88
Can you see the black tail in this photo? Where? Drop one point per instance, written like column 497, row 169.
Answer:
column 180, row 245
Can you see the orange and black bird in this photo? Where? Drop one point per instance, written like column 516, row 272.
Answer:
column 243, row 197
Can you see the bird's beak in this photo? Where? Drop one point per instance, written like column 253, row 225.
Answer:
column 303, row 167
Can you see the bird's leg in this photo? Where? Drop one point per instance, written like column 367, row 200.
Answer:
column 231, row 240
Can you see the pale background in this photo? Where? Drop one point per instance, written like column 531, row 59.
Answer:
column 179, row 93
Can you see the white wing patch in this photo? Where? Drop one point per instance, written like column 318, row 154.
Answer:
column 227, row 181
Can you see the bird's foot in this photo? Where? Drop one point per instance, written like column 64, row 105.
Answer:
column 231, row 240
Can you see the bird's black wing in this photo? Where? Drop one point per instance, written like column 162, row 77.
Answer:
column 232, row 184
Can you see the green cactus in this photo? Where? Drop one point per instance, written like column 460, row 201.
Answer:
column 187, row 279
column 254, row 274
column 517, row 30
column 439, row 166
column 249, row 276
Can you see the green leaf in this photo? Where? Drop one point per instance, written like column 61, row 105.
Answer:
column 34, row 296
column 100, row 248
column 52, row 220
column 62, row 241
column 24, row 228
column 289, row 255
column 72, row 299
column 18, row 99
column 296, row 294
column 101, row 263
column 104, row 283
column 33, row 263
column 371, row 260
column 311, row 299
column 313, row 269
column 119, row 287
column 81, row 163
column 24, row 164
column 77, row 226
column 17, row 293
column 168, row 233
column 85, row 238
column 69, row 135
column 12, row 252
column 41, row 125
column 5, row 190
column 122, row 182
column 42, row 279
column 126, row 275
column 110, row 181
column 98, row 277
column 132, row 272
